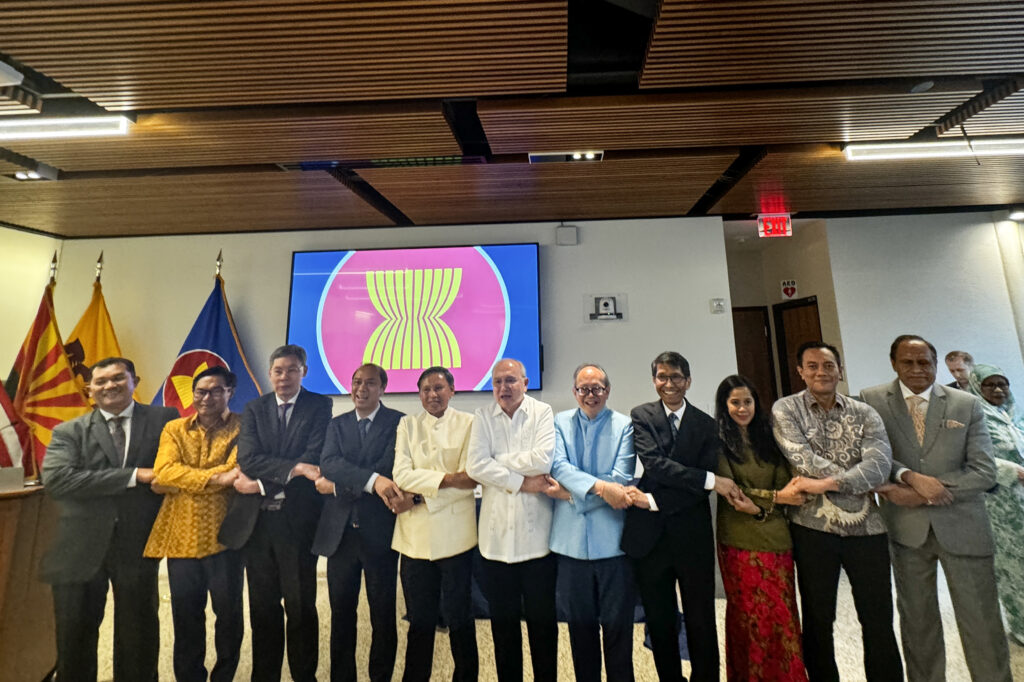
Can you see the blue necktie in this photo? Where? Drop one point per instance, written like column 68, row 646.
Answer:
column 364, row 428
column 672, row 419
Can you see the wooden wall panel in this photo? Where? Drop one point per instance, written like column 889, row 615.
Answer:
column 550, row 191
column 747, row 41
column 826, row 181
column 163, row 54
column 285, row 135
column 229, row 202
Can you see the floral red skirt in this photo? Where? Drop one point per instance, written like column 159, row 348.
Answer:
column 762, row 631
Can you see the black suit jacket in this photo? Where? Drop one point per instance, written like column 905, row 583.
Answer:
column 674, row 473
column 350, row 463
column 83, row 474
column 264, row 453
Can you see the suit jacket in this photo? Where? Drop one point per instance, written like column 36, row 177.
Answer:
column 265, row 454
column 957, row 450
column 674, row 473
column 83, row 474
column 349, row 463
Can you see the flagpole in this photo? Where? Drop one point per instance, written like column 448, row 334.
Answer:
column 99, row 266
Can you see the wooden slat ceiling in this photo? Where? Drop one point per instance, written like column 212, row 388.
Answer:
column 160, row 54
column 826, row 181
column 229, row 202
column 786, row 41
column 645, row 122
column 522, row 192
column 1002, row 118
column 18, row 101
column 287, row 135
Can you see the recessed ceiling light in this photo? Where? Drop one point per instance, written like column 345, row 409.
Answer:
column 21, row 175
column 589, row 156
column 935, row 150
column 41, row 127
column 1017, row 214
column 563, row 157
column 923, row 86
column 577, row 156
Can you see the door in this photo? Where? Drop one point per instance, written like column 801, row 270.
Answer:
column 754, row 358
column 796, row 322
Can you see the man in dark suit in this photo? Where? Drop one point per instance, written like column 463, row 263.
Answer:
column 274, row 519
column 668, row 529
column 357, row 523
column 959, row 363
column 98, row 468
column 935, row 513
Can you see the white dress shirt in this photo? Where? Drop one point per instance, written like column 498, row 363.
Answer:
column 503, row 450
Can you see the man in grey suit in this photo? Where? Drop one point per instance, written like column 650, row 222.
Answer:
column 942, row 466
column 97, row 469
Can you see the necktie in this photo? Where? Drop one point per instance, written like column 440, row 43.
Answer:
column 916, row 407
column 282, row 415
column 672, row 420
column 364, row 428
column 120, row 442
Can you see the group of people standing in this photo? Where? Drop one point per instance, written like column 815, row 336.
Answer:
column 583, row 512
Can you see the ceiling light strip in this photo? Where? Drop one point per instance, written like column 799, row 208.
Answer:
column 935, row 150
column 39, row 128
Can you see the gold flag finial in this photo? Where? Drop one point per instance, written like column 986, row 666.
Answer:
column 53, row 269
column 220, row 261
column 99, row 266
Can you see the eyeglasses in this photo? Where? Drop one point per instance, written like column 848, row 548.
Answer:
column 202, row 393
column 596, row 391
column 677, row 379
column 993, row 385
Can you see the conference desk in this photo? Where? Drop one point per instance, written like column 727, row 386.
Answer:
column 28, row 648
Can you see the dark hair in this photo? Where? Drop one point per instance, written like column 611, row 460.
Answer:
column 811, row 345
column 911, row 337
column 759, row 431
column 599, row 368
column 107, row 362
column 672, row 358
column 444, row 371
column 230, row 380
column 381, row 374
column 289, row 350
column 960, row 355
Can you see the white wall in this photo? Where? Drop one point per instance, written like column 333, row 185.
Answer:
column 668, row 268
column 24, row 271
column 940, row 276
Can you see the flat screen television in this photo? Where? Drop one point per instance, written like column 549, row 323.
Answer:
column 461, row 307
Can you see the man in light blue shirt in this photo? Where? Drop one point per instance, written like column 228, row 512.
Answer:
column 593, row 461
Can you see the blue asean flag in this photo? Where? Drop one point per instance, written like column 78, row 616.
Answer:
column 212, row 342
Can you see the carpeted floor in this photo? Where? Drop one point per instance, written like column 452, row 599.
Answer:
column 848, row 644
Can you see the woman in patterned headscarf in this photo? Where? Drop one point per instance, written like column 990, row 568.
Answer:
column 1006, row 503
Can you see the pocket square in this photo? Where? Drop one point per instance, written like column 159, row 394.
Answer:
column 952, row 424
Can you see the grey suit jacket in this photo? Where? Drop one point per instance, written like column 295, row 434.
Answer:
column 83, row 474
column 956, row 450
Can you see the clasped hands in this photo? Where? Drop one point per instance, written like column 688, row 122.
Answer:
column 617, row 496
column 916, row 490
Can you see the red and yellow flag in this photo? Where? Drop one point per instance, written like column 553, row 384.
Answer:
column 42, row 383
column 92, row 339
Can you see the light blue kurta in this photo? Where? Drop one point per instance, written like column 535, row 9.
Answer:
column 587, row 450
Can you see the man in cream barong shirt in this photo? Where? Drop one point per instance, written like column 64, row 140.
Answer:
column 436, row 536
column 510, row 453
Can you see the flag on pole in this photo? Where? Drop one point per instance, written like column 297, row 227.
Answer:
column 42, row 384
column 212, row 342
column 92, row 339
column 14, row 434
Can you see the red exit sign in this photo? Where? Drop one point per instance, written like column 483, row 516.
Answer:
column 775, row 225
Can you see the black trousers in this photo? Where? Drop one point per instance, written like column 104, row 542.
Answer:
column 598, row 598
column 818, row 557
column 423, row 584
column 513, row 590
column 354, row 558
column 278, row 567
column 657, row 574
column 190, row 580
column 78, row 608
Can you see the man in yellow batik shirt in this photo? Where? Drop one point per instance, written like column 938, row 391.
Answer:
column 196, row 468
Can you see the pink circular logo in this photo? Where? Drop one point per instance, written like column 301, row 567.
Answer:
column 409, row 309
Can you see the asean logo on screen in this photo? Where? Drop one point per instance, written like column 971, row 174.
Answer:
column 407, row 310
